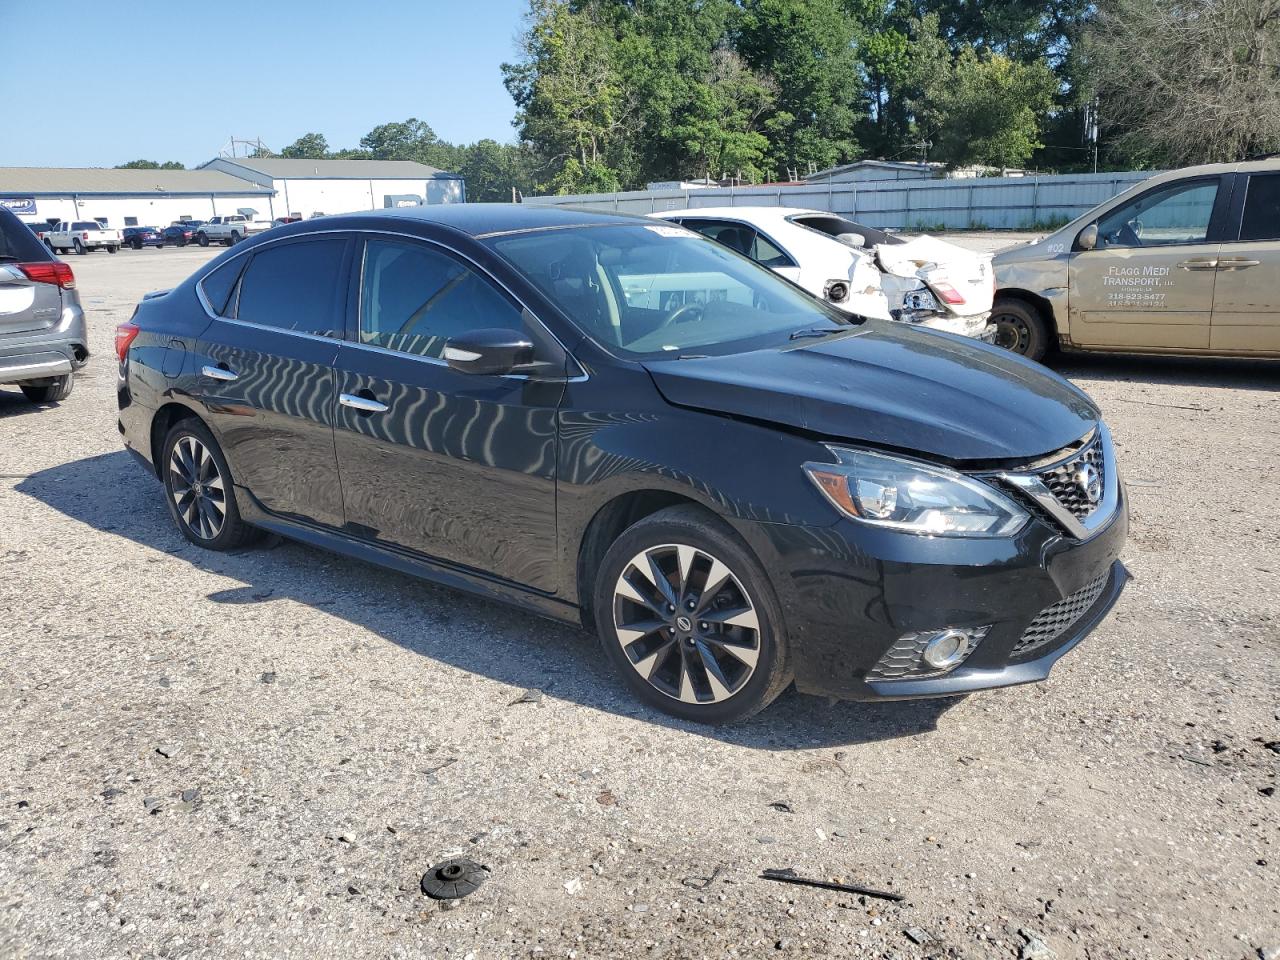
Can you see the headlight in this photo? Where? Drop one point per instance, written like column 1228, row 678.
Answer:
column 885, row 491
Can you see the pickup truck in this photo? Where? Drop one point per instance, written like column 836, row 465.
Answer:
column 229, row 230
column 82, row 236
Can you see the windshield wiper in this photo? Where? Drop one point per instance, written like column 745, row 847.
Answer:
column 813, row 332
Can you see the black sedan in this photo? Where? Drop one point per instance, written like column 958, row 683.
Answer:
column 139, row 237
column 622, row 424
column 180, row 234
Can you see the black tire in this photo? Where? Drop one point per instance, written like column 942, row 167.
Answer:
column 679, row 655
column 182, row 243
column 197, row 520
column 1021, row 328
column 56, row 390
column 202, row 240
column 80, row 247
column 50, row 246
column 159, row 246
column 112, row 248
column 135, row 243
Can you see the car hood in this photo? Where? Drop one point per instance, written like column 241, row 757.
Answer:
column 887, row 385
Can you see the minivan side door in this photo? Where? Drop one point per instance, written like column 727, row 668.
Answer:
column 456, row 466
column 1246, row 297
column 264, row 371
column 1149, row 280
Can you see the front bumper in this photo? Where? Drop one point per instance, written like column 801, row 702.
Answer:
column 41, row 354
column 849, row 592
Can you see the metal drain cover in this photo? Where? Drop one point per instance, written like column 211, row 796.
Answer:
column 453, row 878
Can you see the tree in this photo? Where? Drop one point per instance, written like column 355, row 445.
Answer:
column 1188, row 81
column 720, row 130
column 309, row 146
column 493, row 169
column 977, row 107
column 151, row 165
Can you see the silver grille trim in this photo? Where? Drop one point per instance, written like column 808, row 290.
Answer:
column 1053, row 489
column 1056, row 619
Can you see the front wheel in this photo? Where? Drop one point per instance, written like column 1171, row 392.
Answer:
column 59, row 388
column 198, row 489
column 1020, row 328
column 687, row 615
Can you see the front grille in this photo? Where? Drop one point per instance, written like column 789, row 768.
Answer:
column 1063, row 480
column 1056, row 619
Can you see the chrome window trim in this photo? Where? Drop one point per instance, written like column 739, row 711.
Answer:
column 1031, row 485
column 363, row 233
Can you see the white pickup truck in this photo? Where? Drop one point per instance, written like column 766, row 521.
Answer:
column 230, row 230
column 82, row 236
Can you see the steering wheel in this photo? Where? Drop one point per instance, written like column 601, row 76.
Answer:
column 684, row 314
column 1125, row 235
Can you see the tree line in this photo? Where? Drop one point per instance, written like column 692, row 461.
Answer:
column 613, row 94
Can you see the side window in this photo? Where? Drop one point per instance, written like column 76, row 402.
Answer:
column 733, row 235
column 413, row 298
column 130, row 221
column 296, row 286
column 766, row 254
column 218, row 285
column 1262, row 208
column 1177, row 213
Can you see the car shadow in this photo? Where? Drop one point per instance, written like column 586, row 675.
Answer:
column 112, row 494
column 1235, row 374
column 14, row 403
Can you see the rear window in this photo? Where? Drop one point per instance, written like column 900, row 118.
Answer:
column 17, row 242
column 296, row 286
column 86, row 225
column 834, row 226
column 1262, row 208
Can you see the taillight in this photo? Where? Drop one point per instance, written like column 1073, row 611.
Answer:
column 85, row 235
column 55, row 272
column 947, row 292
column 126, row 333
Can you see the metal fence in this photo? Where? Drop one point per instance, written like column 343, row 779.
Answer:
column 996, row 203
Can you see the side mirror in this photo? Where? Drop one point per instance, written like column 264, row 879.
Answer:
column 852, row 239
column 1087, row 239
column 488, row 352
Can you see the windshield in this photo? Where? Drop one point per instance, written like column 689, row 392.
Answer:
column 657, row 290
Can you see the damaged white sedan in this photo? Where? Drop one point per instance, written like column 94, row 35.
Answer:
column 861, row 270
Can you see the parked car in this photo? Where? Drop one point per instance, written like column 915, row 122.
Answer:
column 180, row 234
column 281, row 221
column 139, row 237
column 42, row 231
column 43, row 341
column 859, row 269
column 82, row 236
column 1184, row 262
column 736, row 487
column 229, row 230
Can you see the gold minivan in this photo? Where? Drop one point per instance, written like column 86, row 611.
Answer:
column 1185, row 262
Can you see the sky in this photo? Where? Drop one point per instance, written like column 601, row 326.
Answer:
column 176, row 79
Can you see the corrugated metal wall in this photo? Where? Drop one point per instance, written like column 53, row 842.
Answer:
column 1003, row 203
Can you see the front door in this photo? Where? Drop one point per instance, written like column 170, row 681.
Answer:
column 264, row 371
column 1246, row 298
column 1149, row 281
column 457, row 466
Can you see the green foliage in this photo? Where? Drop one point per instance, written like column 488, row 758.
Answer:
column 309, row 146
column 150, row 165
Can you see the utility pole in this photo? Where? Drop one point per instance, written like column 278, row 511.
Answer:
column 923, row 146
column 1091, row 129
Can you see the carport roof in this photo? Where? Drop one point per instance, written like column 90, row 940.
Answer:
column 100, row 181
column 280, row 168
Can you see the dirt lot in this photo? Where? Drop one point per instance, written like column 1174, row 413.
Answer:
column 258, row 755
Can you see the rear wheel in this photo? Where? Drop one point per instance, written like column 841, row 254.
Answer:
column 1020, row 328
column 198, row 489
column 49, row 245
column 80, row 247
column 49, row 391
column 687, row 615
column 112, row 248
column 202, row 240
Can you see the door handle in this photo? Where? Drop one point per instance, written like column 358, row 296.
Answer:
column 1236, row 263
column 219, row 373
column 362, row 404
column 1207, row 264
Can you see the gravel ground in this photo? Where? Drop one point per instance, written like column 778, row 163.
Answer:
column 259, row 754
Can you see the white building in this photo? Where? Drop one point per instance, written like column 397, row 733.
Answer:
column 127, row 198
column 310, row 188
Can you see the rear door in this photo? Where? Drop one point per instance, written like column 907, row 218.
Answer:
column 457, row 466
column 1246, row 298
column 1149, row 281
column 264, row 371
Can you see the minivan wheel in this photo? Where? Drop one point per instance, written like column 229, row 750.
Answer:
column 688, row 617
column 199, row 491
column 59, row 388
column 1020, row 328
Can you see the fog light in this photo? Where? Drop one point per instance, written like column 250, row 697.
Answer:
column 946, row 649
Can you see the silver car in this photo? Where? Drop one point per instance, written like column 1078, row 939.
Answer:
column 42, row 330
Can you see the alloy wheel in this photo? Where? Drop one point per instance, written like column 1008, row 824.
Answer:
column 196, row 486
column 686, row 624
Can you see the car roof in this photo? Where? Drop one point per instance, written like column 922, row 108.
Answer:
column 756, row 214
column 486, row 219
